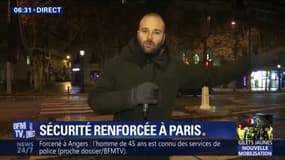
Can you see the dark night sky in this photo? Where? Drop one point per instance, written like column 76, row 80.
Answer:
column 111, row 17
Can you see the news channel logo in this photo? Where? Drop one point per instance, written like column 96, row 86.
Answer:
column 24, row 130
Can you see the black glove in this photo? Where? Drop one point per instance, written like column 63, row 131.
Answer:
column 270, row 59
column 144, row 93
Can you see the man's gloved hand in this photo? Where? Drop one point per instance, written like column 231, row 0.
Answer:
column 144, row 93
column 270, row 59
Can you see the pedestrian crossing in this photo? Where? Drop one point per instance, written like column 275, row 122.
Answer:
column 57, row 106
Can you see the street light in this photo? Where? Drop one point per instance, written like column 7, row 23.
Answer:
column 279, row 77
column 82, row 53
column 67, row 61
column 233, row 25
column 68, row 64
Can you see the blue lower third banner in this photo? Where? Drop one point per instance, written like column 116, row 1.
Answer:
column 126, row 147
column 129, row 130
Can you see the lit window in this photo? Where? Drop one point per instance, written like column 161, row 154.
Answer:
column 28, row 60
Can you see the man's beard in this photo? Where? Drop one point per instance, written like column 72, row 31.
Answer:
column 149, row 47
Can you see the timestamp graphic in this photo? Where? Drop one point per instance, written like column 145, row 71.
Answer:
column 37, row 10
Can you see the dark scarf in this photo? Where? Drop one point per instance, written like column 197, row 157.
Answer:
column 136, row 54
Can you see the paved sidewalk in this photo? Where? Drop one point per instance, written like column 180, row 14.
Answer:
column 55, row 89
column 65, row 88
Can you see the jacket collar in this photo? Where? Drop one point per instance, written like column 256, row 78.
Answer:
column 134, row 53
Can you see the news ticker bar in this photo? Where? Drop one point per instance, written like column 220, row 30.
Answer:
column 37, row 10
column 126, row 147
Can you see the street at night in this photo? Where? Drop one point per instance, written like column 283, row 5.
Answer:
column 225, row 105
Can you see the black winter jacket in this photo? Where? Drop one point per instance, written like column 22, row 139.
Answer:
column 111, row 94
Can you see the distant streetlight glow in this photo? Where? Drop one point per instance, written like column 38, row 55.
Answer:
column 209, row 18
column 28, row 60
column 233, row 22
column 82, row 52
column 75, row 69
column 68, row 57
column 278, row 66
column 124, row 1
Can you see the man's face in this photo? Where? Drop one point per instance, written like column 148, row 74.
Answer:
column 151, row 34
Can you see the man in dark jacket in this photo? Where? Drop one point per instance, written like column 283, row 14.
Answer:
column 141, row 83
column 145, row 73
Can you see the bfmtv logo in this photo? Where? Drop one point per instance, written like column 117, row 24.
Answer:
column 23, row 130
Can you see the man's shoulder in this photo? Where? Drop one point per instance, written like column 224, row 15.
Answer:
column 116, row 61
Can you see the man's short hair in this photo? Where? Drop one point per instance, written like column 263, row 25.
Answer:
column 153, row 14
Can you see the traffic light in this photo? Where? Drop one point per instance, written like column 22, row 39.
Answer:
column 208, row 61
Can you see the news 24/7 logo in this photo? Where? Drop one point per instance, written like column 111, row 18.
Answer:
column 24, row 129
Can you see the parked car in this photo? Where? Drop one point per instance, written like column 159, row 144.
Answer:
column 191, row 91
